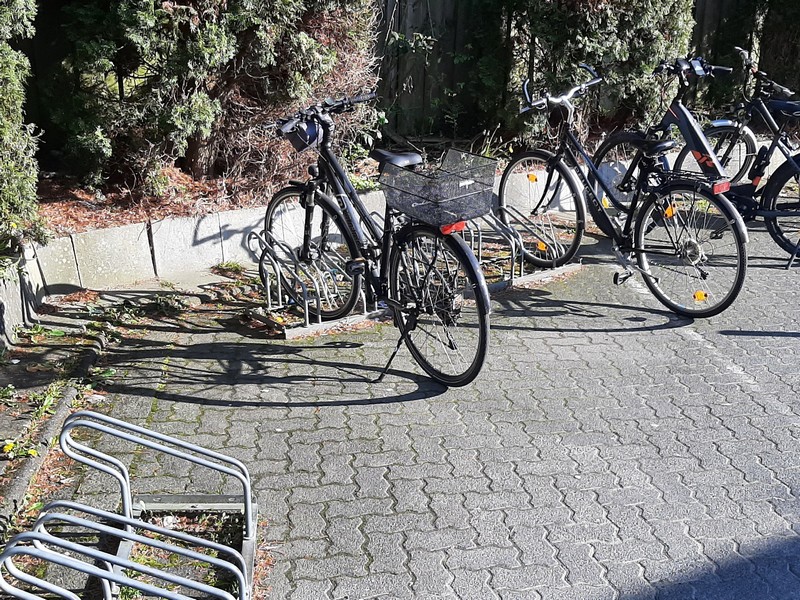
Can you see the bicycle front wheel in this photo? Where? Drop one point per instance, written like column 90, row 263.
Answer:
column 321, row 277
column 691, row 250
column 735, row 149
column 541, row 201
column 442, row 304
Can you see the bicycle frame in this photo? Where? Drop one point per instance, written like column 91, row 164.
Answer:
column 568, row 147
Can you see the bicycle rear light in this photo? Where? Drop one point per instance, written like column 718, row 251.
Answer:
column 453, row 227
column 720, row 187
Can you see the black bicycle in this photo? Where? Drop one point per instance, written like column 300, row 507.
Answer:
column 326, row 243
column 684, row 238
column 724, row 148
column 735, row 144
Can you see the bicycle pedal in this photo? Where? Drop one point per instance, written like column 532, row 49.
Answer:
column 620, row 278
column 354, row 267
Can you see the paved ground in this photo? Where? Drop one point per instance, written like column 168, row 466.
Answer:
column 609, row 449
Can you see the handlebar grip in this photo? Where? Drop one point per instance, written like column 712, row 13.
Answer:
column 363, row 98
column 717, row 70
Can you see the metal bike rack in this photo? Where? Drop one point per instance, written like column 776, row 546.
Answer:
column 274, row 266
column 124, row 529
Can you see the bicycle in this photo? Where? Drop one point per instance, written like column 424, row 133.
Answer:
column 417, row 266
column 688, row 242
column 733, row 149
column 735, row 144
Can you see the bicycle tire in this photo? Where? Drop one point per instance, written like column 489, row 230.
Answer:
column 443, row 303
column 545, row 192
column 783, row 193
column 324, row 276
column 733, row 148
column 691, row 248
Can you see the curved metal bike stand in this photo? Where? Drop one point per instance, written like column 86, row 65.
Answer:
column 124, row 529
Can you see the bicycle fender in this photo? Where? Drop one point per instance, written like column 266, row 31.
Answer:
column 481, row 291
column 728, row 209
column 722, row 123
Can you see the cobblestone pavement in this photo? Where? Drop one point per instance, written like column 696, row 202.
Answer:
column 608, row 450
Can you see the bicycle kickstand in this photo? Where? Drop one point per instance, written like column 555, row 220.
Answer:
column 389, row 364
column 793, row 257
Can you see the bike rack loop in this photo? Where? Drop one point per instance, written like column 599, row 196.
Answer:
column 38, row 540
column 138, row 435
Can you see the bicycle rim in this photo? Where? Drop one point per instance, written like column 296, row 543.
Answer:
column 321, row 279
column 736, row 153
column 785, row 230
column 543, row 205
column 694, row 256
column 441, row 320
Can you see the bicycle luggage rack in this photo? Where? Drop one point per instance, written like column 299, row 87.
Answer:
column 115, row 569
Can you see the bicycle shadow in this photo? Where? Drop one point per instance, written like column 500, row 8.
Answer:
column 541, row 307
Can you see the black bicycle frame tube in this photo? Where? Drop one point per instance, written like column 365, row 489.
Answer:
column 569, row 145
column 678, row 115
column 356, row 211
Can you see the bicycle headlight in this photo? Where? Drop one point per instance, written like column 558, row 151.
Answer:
column 304, row 136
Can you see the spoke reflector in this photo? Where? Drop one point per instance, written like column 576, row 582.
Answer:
column 700, row 296
column 541, row 246
column 532, row 177
column 670, row 212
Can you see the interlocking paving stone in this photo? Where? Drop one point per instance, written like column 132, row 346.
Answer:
column 609, row 449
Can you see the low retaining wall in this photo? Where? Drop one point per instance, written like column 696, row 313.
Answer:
column 104, row 258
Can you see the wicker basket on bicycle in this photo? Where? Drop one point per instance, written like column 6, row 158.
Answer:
column 459, row 190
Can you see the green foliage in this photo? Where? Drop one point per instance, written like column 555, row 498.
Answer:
column 150, row 83
column 18, row 141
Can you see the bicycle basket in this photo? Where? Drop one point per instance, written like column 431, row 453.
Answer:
column 304, row 136
column 459, row 190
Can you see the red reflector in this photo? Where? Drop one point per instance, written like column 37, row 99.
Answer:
column 720, row 187
column 453, row 227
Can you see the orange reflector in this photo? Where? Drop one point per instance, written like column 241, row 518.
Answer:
column 541, row 246
column 756, row 181
column 720, row 187
column 453, row 227
column 670, row 212
column 700, row 296
column 532, row 177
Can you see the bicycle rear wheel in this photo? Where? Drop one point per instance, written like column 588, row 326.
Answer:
column 321, row 277
column 443, row 312
column 613, row 159
column 693, row 253
column 540, row 199
column 783, row 194
column 736, row 151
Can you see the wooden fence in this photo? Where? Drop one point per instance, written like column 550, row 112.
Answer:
column 433, row 73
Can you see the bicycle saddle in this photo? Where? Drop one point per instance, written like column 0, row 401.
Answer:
column 654, row 147
column 789, row 109
column 399, row 159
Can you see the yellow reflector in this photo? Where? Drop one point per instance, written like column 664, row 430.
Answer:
column 532, row 177
column 700, row 296
column 541, row 246
column 605, row 202
column 670, row 212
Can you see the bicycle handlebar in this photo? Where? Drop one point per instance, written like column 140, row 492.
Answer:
column 548, row 100
column 288, row 123
column 696, row 66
